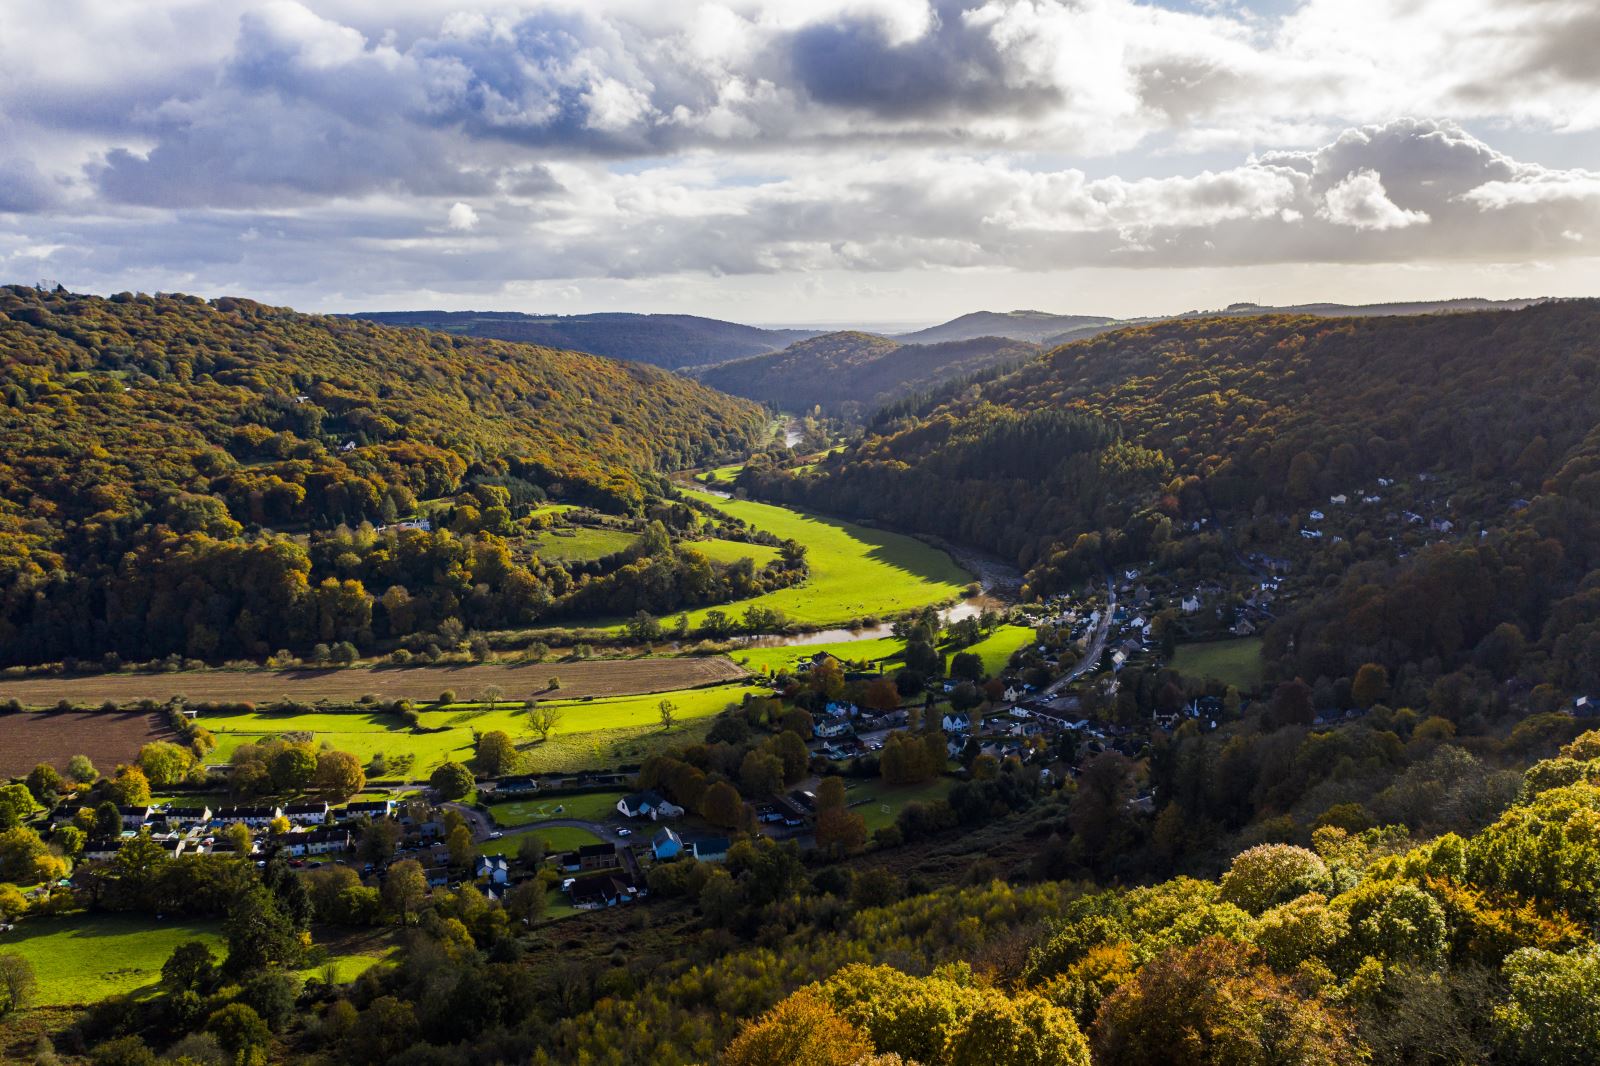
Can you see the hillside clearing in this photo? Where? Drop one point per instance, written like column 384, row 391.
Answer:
column 1233, row 662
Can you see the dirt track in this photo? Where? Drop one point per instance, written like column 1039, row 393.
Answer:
column 593, row 677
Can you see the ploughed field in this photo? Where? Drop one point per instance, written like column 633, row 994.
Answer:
column 28, row 739
column 516, row 681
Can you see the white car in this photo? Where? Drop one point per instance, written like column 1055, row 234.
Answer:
column 624, row 832
column 496, row 835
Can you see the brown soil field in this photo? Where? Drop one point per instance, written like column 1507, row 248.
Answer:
column 28, row 739
column 591, row 677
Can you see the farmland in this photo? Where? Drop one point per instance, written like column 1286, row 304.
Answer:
column 54, row 737
column 86, row 958
column 581, row 544
column 731, row 551
column 1233, row 662
column 591, row 733
column 855, row 571
column 590, row 677
column 775, row 660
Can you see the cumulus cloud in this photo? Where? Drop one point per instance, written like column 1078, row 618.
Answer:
column 1359, row 200
column 462, row 216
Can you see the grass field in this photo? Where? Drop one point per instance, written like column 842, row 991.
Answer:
column 556, row 839
column 581, row 544
column 873, row 798
column 721, row 475
column 855, row 571
column 586, row 806
column 516, row 681
column 553, row 508
column 997, row 647
column 1233, row 662
column 108, row 739
column 85, row 958
column 871, row 650
column 598, row 732
column 731, row 551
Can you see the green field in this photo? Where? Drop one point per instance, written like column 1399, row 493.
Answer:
column 775, row 660
column 878, row 796
column 1233, row 662
column 731, row 551
column 553, row 508
column 85, row 958
column 586, row 806
column 556, row 839
column 589, row 733
column 581, row 544
column 855, row 571
column 997, row 647
column 723, row 474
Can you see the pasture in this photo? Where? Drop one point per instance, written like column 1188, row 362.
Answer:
column 731, row 551
column 85, row 958
column 581, row 544
column 49, row 736
column 516, row 681
column 855, row 571
column 775, row 660
column 1233, row 662
column 591, row 733
column 996, row 649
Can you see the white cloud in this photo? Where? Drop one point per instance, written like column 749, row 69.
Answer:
column 1359, row 200
column 462, row 216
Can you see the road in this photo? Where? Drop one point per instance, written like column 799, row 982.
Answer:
column 1091, row 658
column 482, row 825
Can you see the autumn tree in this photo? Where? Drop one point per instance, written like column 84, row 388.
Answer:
column 1370, row 684
column 497, row 754
column 722, row 807
column 130, row 787
column 543, row 719
column 404, row 888
column 801, row 1029
column 339, row 775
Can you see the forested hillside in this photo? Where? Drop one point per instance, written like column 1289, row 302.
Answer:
column 171, row 466
column 1101, row 452
column 671, row 341
column 854, row 373
column 1032, row 326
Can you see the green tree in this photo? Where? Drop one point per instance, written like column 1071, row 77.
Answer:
column 260, row 934
column 165, row 764
column 17, row 982
column 339, row 775
column 45, row 783
column 497, row 754
column 405, row 886
column 81, row 770
column 241, row 1032
column 1552, row 1017
column 190, row 966
column 16, row 805
column 452, row 780
column 130, row 787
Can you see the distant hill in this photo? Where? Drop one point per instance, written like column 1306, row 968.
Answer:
column 853, row 371
column 672, row 341
column 1033, row 326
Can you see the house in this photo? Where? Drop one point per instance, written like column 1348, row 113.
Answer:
column 366, row 809
column 1190, row 604
column 648, row 804
column 1339, row 499
column 1585, row 707
column 805, row 799
column 348, row 446
column 1385, row 482
column 306, row 813
column 324, row 841
column 422, row 524
column 134, row 817
column 1316, row 516
column 516, row 786
column 255, row 817
column 956, row 744
column 493, row 868
column 186, row 816
column 830, row 729
column 956, row 722
column 1441, row 525
column 598, row 857
column 1372, row 499
column 102, row 848
column 666, row 845
column 594, row 893
column 1311, row 534
column 710, row 849
column 840, row 709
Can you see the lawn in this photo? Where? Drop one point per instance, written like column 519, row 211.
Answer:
column 855, row 571
column 1233, row 662
column 85, row 958
column 556, row 839
column 585, row 806
column 775, row 660
column 731, row 551
column 592, row 732
column 997, row 647
column 879, row 804
column 581, row 544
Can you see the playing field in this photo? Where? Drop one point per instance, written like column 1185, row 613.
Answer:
column 584, row 807
column 29, row 739
column 587, row 735
column 85, row 958
column 516, row 681
column 855, row 571
column 1233, row 662
column 879, row 804
column 731, row 551
column 556, row 839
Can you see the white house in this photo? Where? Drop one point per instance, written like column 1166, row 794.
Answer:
column 1190, row 604
column 648, row 804
column 956, row 722
column 251, row 816
column 493, row 867
column 306, row 813
column 1339, row 499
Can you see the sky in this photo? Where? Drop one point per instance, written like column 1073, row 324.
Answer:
column 803, row 161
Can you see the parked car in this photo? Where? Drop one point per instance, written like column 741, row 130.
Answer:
column 496, row 835
column 624, row 832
